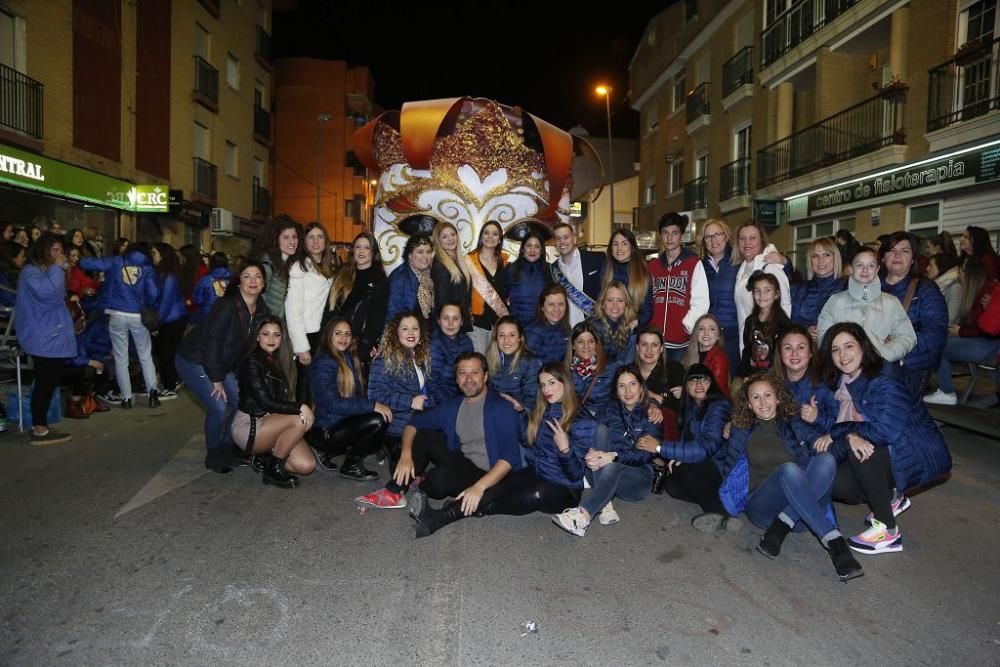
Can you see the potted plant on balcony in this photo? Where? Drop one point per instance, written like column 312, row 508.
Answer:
column 892, row 87
column 970, row 52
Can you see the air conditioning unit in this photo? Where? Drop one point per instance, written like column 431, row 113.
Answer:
column 222, row 221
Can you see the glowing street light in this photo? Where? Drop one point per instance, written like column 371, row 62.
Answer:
column 606, row 92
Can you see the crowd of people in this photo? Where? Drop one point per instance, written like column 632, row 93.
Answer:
column 497, row 384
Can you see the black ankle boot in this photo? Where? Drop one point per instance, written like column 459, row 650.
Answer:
column 154, row 398
column 354, row 468
column 216, row 461
column 843, row 560
column 770, row 544
column 275, row 473
column 430, row 521
column 258, row 462
column 126, row 403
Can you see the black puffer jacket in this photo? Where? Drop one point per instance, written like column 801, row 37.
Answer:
column 225, row 337
column 263, row 386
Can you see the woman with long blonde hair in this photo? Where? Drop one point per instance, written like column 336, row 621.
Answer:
column 450, row 272
column 626, row 264
column 614, row 321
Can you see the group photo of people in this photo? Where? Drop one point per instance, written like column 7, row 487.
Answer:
column 469, row 382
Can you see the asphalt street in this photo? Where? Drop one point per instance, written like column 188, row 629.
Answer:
column 119, row 549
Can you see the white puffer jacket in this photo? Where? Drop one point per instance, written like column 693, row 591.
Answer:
column 305, row 303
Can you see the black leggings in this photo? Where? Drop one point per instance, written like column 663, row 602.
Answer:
column 697, row 483
column 303, row 391
column 48, row 370
column 521, row 493
column 165, row 343
column 452, row 472
column 79, row 378
column 869, row 482
column 357, row 436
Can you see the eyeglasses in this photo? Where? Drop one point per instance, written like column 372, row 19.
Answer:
column 700, row 380
column 715, row 237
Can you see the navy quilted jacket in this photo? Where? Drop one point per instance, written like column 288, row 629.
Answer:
column 330, row 406
column 548, row 342
column 397, row 392
column 444, row 351
column 596, row 388
column 701, row 437
column 722, row 289
column 554, row 466
column 928, row 313
column 403, row 286
column 646, row 307
column 521, row 383
column 624, row 430
column 523, row 291
column 809, row 297
column 892, row 418
column 612, row 352
column 171, row 303
column 802, row 391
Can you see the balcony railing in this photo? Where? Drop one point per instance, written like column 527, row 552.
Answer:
column 20, row 102
column 738, row 70
column 262, row 123
column 794, row 25
column 734, row 179
column 965, row 87
column 206, row 79
column 261, row 199
column 263, row 47
column 205, row 175
column 697, row 101
column 868, row 126
column 696, row 193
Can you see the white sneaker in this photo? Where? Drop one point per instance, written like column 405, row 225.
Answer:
column 572, row 520
column 608, row 515
column 941, row 398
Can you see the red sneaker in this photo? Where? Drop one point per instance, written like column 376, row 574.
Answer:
column 382, row 499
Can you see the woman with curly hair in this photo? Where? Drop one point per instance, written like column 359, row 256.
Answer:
column 614, row 320
column 778, row 480
column 274, row 247
column 411, row 288
column 626, row 264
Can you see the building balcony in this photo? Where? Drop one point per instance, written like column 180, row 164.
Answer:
column 963, row 95
column 796, row 24
column 206, row 84
column 261, row 199
column 211, row 6
column 203, row 187
column 696, row 194
column 699, row 112
column 734, row 182
column 262, row 126
column 20, row 103
column 861, row 129
column 737, row 78
column 262, row 49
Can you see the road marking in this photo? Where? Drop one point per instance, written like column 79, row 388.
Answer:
column 187, row 465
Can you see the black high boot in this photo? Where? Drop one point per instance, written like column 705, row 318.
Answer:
column 429, row 521
column 770, row 544
column 843, row 560
column 354, row 468
column 154, row 398
column 275, row 473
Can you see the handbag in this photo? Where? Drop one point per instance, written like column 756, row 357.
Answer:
column 150, row 316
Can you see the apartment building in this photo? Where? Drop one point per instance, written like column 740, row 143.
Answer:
column 120, row 116
column 819, row 115
column 319, row 104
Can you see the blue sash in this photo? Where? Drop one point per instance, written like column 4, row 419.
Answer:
column 577, row 297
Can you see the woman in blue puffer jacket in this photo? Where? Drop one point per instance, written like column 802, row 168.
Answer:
column 527, row 277
column 626, row 264
column 926, row 308
column 893, row 444
column 590, row 371
column 809, row 297
column 173, row 316
column 717, row 254
column 618, row 467
column 130, row 284
column 548, row 333
column 411, row 288
column 513, row 369
column 346, row 420
column 210, row 286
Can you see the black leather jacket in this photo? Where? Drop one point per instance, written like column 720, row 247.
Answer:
column 224, row 338
column 263, row 386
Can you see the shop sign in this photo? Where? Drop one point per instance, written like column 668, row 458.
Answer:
column 36, row 172
column 977, row 165
column 765, row 211
column 149, row 199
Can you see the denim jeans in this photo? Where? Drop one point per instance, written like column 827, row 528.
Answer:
column 617, row 480
column 800, row 494
column 217, row 422
column 120, row 327
column 965, row 350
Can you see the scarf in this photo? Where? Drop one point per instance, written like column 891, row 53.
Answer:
column 584, row 367
column 425, row 292
column 847, row 412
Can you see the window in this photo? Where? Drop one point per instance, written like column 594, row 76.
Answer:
column 202, row 42
column 259, row 94
column 680, row 91
column 690, row 10
column 924, row 219
column 352, row 209
column 650, row 195
column 232, row 159
column 774, row 9
column 676, row 175
column 806, row 234
column 701, row 165
column 977, row 21
column 201, row 143
column 651, row 118
column 12, row 42
column 232, row 71
column 258, row 172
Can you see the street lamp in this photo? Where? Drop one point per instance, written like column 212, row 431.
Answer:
column 320, row 119
column 606, row 92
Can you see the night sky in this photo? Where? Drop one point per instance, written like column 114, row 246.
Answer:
column 544, row 56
